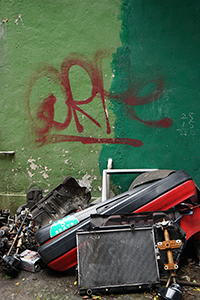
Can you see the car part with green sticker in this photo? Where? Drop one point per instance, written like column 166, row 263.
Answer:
column 59, row 251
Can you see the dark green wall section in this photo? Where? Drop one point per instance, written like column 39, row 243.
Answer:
column 155, row 92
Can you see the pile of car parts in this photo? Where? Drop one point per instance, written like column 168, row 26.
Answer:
column 17, row 235
column 122, row 253
column 58, row 241
column 126, row 243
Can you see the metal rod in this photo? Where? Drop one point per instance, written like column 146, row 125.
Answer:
column 109, row 167
column 182, row 282
column 7, row 152
column 170, row 256
column 17, row 234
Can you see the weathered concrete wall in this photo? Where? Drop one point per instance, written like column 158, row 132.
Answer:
column 55, row 65
column 83, row 81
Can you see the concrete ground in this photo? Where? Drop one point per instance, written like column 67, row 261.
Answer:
column 51, row 285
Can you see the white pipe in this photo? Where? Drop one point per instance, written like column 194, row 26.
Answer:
column 118, row 171
column 109, row 167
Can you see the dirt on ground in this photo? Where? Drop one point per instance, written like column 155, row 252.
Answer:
column 48, row 284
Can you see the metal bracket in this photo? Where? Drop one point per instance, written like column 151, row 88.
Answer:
column 172, row 244
column 168, row 244
column 7, row 152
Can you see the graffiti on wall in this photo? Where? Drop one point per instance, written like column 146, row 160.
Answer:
column 187, row 125
column 129, row 98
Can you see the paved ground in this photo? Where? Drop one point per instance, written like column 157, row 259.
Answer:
column 50, row 285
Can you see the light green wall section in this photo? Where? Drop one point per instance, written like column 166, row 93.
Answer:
column 38, row 34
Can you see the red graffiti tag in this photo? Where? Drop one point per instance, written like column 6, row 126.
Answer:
column 46, row 109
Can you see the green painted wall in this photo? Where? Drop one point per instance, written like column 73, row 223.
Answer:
column 83, row 81
column 36, row 37
column 157, row 84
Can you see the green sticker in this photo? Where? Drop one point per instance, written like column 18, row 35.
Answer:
column 62, row 225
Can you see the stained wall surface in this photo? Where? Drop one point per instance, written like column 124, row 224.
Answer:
column 85, row 81
column 157, row 83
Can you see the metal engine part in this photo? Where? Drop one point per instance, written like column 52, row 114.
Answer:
column 117, row 260
column 66, row 198
column 171, row 293
column 11, row 264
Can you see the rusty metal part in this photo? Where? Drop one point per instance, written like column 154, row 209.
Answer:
column 182, row 282
column 11, row 263
column 172, row 292
column 171, row 265
column 171, row 244
column 19, row 243
column 17, row 234
column 168, row 244
column 4, row 230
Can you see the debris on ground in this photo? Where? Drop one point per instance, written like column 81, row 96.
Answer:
column 17, row 234
column 129, row 252
column 129, row 243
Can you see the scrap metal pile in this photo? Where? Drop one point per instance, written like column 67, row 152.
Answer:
column 16, row 235
column 18, row 248
column 128, row 243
